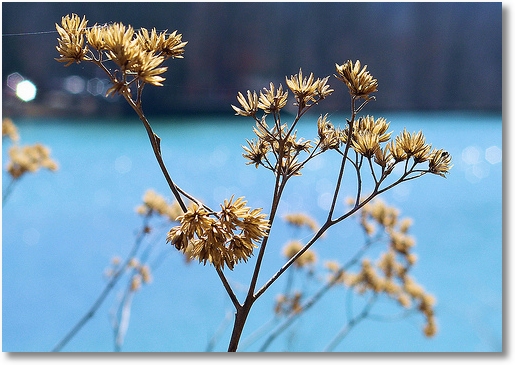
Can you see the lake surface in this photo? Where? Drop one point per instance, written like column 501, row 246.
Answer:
column 60, row 231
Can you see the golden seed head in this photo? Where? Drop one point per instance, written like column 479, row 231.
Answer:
column 222, row 238
column 440, row 162
column 272, row 100
column 308, row 90
column 360, row 83
column 366, row 143
column 70, row 45
column 329, row 136
column 171, row 46
column 413, row 144
column 249, row 105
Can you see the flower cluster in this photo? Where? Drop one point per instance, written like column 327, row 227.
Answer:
column 155, row 203
column 277, row 147
column 307, row 91
column 10, row 130
column 280, row 143
column 367, row 135
column 390, row 273
column 222, row 238
column 372, row 140
column 301, row 220
column 412, row 145
column 359, row 81
column 138, row 55
column 25, row 159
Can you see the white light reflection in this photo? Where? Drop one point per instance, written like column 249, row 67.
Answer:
column 26, row 90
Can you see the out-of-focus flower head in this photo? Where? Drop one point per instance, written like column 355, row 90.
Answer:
column 307, row 258
column 10, row 130
column 155, row 203
column 29, row 159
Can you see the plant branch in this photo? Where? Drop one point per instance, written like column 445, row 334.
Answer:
column 344, row 159
column 8, row 190
column 315, row 297
column 155, row 141
column 110, row 285
column 351, row 324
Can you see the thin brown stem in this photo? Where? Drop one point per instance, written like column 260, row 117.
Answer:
column 243, row 311
column 155, row 141
column 344, row 159
column 228, row 288
column 290, row 262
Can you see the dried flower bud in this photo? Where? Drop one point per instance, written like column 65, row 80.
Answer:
column 360, row 83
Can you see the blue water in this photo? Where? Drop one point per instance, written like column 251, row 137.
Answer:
column 60, row 230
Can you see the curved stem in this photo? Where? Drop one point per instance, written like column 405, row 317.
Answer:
column 155, row 141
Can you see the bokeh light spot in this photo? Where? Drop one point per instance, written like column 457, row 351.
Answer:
column 123, row 164
column 493, row 155
column 26, row 90
column 471, row 155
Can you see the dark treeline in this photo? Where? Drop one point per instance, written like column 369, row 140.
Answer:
column 426, row 56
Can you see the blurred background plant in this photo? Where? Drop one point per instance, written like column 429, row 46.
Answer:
column 23, row 159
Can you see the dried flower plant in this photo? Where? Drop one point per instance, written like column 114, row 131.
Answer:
column 229, row 236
